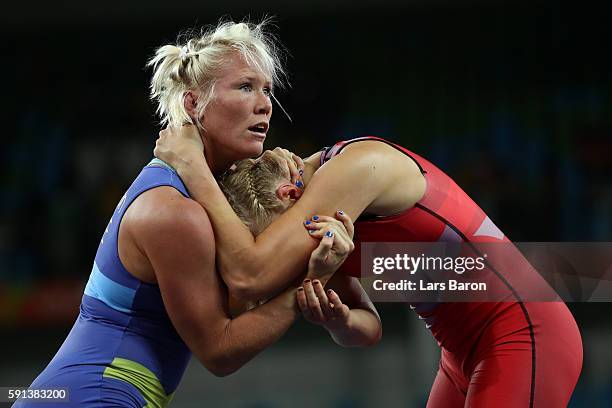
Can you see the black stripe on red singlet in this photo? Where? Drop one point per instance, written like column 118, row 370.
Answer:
column 516, row 295
column 371, row 138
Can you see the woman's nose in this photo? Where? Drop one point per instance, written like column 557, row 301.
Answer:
column 264, row 104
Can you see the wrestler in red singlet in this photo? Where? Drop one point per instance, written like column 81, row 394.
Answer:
column 494, row 354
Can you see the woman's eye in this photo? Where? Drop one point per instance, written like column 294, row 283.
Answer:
column 246, row 87
column 267, row 91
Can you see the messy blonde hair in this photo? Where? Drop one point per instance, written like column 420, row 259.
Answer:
column 251, row 191
column 193, row 64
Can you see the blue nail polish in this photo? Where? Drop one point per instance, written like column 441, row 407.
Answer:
column 329, row 234
column 315, row 217
column 299, row 184
column 307, row 223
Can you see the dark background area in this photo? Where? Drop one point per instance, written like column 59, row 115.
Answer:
column 511, row 99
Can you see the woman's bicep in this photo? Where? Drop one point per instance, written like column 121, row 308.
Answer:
column 179, row 244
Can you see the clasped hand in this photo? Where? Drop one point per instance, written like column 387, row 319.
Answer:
column 318, row 306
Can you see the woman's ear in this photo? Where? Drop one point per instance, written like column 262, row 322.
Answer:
column 190, row 103
column 288, row 192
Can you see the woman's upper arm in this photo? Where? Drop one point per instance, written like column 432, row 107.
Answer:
column 178, row 240
column 351, row 181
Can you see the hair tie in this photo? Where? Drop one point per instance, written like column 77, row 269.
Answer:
column 184, row 54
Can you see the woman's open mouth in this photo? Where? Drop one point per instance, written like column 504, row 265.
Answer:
column 259, row 130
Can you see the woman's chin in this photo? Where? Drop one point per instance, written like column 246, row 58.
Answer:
column 244, row 148
column 255, row 148
column 251, row 151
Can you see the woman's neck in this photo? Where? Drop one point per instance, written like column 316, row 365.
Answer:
column 217, row 161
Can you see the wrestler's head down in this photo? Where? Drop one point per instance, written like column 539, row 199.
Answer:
column 220, row 80
column 259, row 191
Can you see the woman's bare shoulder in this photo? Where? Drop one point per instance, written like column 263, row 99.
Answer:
column 166, row 209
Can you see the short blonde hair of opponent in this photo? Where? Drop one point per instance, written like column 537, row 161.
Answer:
column 251, row 191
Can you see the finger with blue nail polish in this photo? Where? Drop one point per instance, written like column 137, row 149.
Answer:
column 310, row 226
column 346, row 221
column 320, row 223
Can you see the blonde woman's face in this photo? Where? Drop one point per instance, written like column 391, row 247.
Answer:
column 237, row 119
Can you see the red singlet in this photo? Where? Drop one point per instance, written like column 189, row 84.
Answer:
column 494, row 354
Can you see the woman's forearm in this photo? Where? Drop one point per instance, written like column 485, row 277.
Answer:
column 363, row 329
column 251, row 268
column 250, row 333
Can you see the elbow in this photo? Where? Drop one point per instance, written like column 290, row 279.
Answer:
column 372, row 338
column 222, row 371
column 222, row 357
column 376, row 335
column 375, row 339
column 368, row 341
column 219, row 366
